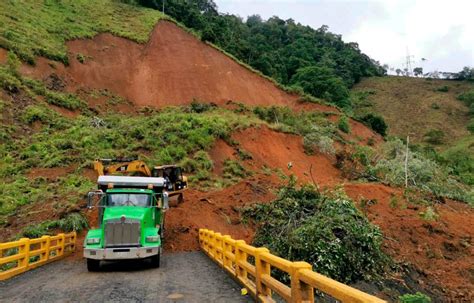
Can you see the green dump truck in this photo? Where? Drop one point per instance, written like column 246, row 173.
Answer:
column 131, row 214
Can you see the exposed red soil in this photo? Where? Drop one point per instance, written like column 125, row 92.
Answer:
column 219, row 153
column 278, row 150
column 173, row 68
column 217, row 210
column 442, row 250
column 3, row 56
column 50, row 173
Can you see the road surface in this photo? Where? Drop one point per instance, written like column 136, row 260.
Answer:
column 182, row 277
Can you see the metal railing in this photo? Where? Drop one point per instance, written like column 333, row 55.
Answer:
column 233, row 256
column 19, row 256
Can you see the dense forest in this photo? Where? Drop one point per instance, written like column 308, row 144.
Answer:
column 315, row 61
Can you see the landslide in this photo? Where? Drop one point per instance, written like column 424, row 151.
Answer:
column 172, row 68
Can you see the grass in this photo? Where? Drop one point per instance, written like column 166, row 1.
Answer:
column 460, row 157
column 12, row 82
column 173, row 135
column 407, row 106
column 40, row 28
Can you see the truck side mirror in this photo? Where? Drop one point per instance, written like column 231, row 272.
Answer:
column 91, row 197
column 165, row 200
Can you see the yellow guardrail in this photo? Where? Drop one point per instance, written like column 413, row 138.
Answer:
column 19, row 256
column 233, row 256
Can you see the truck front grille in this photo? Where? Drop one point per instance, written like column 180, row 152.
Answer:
column 118, row 233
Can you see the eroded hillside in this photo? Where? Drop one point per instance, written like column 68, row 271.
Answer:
column 113, row 100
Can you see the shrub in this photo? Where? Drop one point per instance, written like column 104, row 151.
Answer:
column 197, row 107
column 322, row 143
column 443, row 89
column 414, row 298
column 343, row 124
column 470, row 126
column 375, row 122
column 325, row 230
column 72, row 222
column 234, row 170
column 434, row 136
column 467, row 97
column 81, row 58
column 423, row 173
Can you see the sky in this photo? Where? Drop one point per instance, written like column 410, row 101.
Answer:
column 441, row 31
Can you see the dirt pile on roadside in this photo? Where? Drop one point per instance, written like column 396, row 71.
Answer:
column 216, row 210
column 441, row 250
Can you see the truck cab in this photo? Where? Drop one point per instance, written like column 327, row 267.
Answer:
column 131, row 219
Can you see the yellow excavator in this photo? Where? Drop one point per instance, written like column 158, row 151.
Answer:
column 177, row 183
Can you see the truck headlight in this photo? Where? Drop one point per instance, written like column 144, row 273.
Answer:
column 152, row 238
column 93, row 241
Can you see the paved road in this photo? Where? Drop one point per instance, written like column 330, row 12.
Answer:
column 182, row 277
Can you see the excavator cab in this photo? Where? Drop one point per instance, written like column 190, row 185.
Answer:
column 177, row 183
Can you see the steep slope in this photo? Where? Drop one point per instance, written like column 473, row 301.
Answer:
column 173, row 68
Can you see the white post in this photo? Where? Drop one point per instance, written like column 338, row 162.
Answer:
column 406, row 162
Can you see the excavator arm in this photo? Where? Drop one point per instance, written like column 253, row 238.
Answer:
column 121, row 166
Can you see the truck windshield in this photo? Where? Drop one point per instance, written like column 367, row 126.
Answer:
column 126, row 199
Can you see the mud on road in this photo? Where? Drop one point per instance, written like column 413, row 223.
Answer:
column 182, row 277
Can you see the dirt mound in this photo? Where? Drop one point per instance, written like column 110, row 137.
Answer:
column 276, row 150
column 218, row 210
column 441, row 250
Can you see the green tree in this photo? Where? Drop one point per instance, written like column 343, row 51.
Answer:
column 375, row 122
column 418, row 71
column 322, row 83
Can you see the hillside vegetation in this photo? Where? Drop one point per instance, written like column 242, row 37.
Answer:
column 41, row 28
column 436, row 114
column 57, row 118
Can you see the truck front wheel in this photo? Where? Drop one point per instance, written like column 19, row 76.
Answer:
column 93, row 265
column 155, row 260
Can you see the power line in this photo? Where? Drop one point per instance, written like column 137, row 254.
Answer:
column 408, row 63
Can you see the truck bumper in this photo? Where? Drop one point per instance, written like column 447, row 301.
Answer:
column 121, row 253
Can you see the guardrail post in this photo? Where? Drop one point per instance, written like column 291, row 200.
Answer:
column 262, row 268
column 47, row 246
column 73, row 241
column 240, row 257
column 24, row 249
column 226, row 262
column 300, row 291
column 218, row 247
column 212, row 244
column 61, row 249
